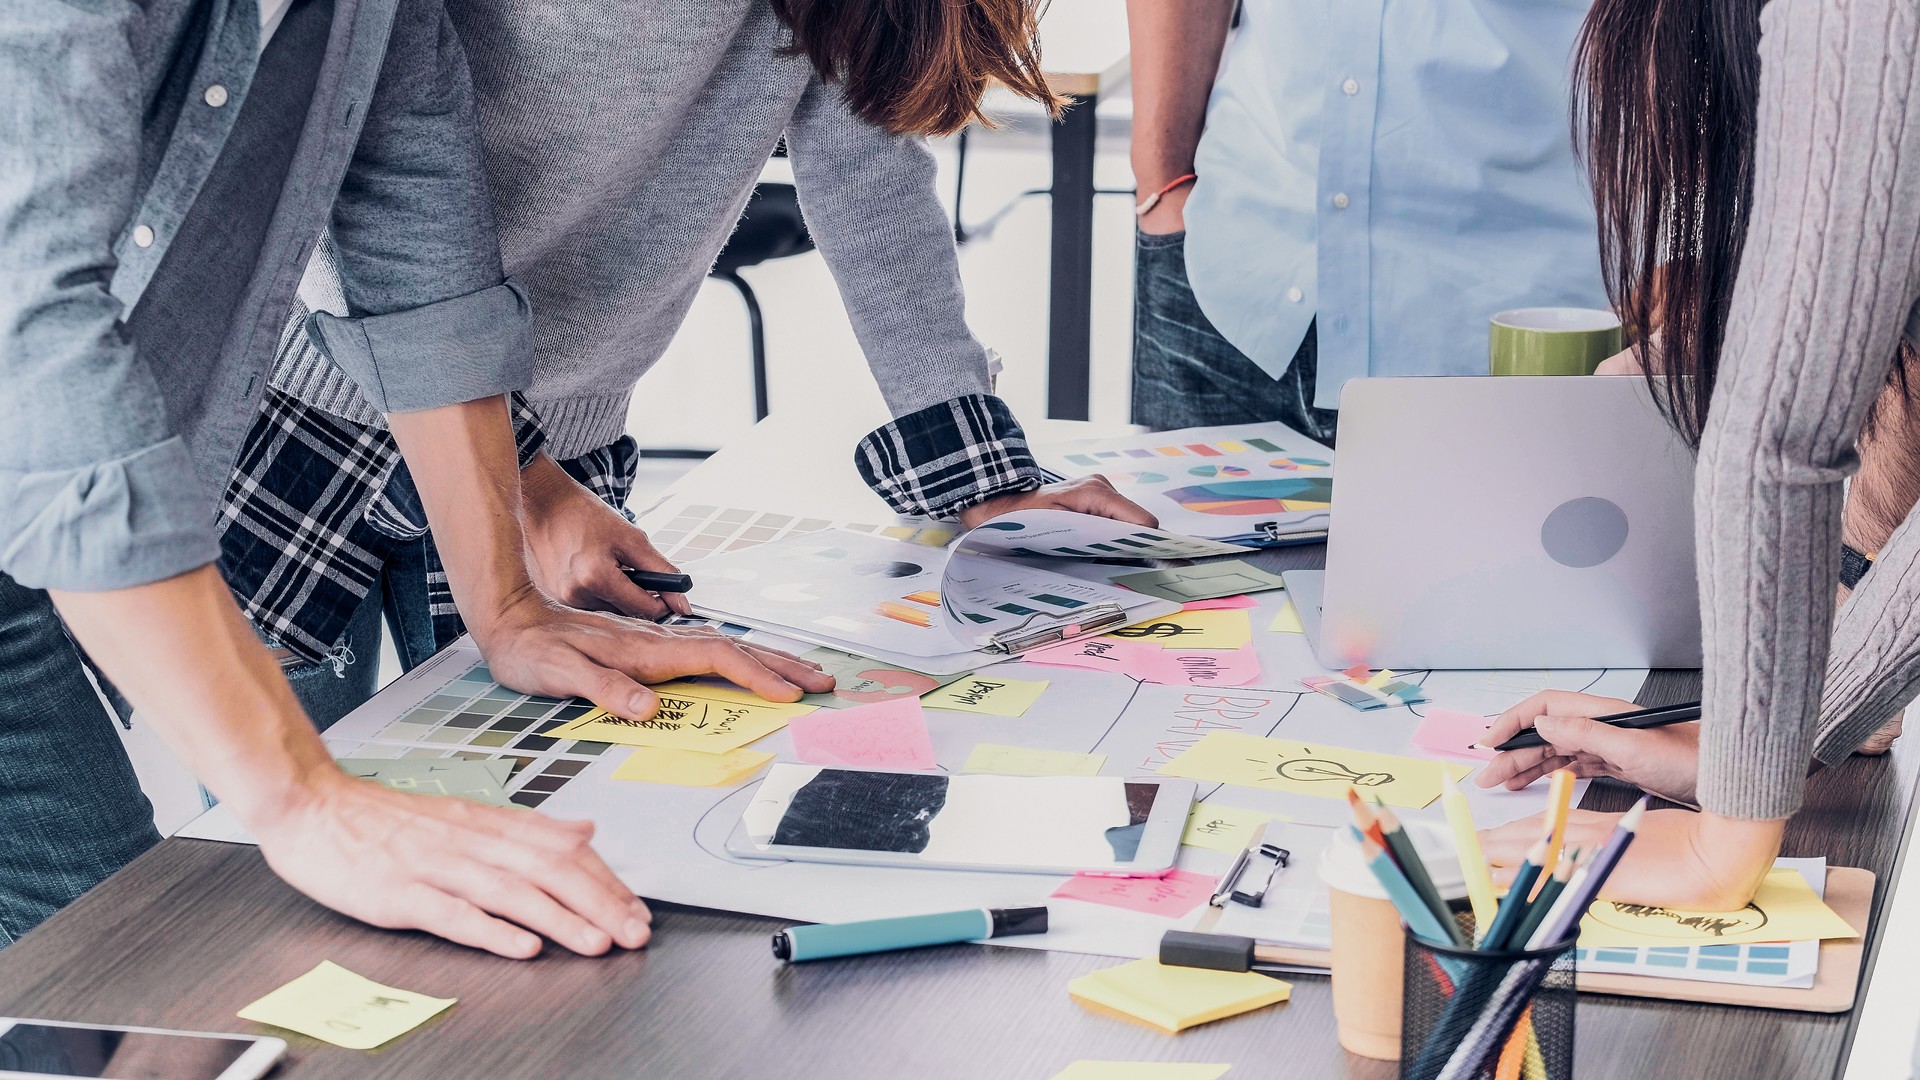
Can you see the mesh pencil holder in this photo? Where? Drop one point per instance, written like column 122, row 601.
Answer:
column 1472, row 1015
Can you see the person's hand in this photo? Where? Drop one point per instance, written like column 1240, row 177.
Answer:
column 1881, row 740
column 1678, row 858
column 1662, row 760
column 483, row 876
column 1094, row 495
column 537, row 646
column 577, row 545
column 1169, row 214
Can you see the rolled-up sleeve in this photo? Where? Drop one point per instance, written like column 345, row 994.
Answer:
column 96, row 491
column 431, row 319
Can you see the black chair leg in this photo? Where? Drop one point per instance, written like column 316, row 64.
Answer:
column 757, row 333
column 960, row 235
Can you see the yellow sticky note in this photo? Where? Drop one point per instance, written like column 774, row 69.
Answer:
column 1312, row 769
column 1286, row 621
column 1226, row 829
column 334, row 1004
column 1380, row 678
column 1020, row 761
column 1193, row 630
column 713, row 722
column 1784, row 909
column 994, row 697
column 689, row 768
column 1175, row 998
column 1140, row 1070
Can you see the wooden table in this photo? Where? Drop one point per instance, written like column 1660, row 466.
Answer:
column 194, row 930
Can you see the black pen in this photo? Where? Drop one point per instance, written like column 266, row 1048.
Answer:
column 1636, row 720
column 658, row 582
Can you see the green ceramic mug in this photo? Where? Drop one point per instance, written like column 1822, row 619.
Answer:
column 1552, row 341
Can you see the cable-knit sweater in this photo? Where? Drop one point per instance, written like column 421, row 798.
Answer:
column 622, row 141
column 1828, row 282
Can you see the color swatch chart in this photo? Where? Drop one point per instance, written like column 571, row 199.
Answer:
column 476, row 719
column 685, row 532
column 1780, row 963
column 1096, row 459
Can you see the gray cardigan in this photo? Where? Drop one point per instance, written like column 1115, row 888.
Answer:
column 622, row 141
column 1829, row 281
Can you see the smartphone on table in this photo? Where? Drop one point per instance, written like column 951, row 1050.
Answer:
column 43, row 1049
column 1122, row 826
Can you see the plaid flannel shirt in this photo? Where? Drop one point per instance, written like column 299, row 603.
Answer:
column 317, row 504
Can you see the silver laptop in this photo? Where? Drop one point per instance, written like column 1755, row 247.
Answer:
column 1505, row 523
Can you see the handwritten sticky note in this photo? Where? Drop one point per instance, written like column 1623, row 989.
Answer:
column 993, row 697
column 335, row 1005
column 1197, row 667
column 1192, row 630
column 1226, row 829
column 1453, row 734
column 689, row 768
column 1091, row 654
column 1172, row 896
column 1784, row 909
column 1140, row 1070
column 1312, row 769
column 1175, row 998
column 1222, row 603
column 1020, row 761
column 1206, row 581
column 710, row 722
column 884, row 735
column 1286, row 621
column 481, row 781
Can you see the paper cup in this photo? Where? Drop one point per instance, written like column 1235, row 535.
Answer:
column 1368, row 944
column 1552, row 341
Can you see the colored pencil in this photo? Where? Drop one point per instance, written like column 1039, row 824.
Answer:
column 1550, row 891
column 1473, row 864
column 1639, row 719
column 1514, row 908
column 1587, row 881
column 1412, row 910
column 1559, row 804
column 1401, row 845
column 1368, row 824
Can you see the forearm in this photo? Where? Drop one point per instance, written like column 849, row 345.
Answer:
column 183, row 654
column 463, row 461
column 1175, row 55
column 1875, row 663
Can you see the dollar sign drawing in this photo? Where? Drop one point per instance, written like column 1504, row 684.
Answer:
column 1155, row 630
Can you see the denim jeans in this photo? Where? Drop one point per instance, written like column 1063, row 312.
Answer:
column 331, row 689
column 71, row 809
column 1186, row 375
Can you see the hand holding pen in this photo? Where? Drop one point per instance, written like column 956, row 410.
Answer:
column 1595, row 737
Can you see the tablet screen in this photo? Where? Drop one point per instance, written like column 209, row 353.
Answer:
column 58, row 1050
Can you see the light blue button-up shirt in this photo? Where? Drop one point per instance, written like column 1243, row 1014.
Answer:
column 1399, row 169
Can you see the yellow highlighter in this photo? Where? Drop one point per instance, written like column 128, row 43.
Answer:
column 1473, row 866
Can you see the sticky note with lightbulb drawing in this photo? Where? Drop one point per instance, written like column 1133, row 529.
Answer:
column 1312, row 769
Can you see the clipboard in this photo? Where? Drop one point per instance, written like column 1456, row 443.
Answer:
column 1850, row 895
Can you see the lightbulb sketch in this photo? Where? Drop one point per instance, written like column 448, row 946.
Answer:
column 1311, row 769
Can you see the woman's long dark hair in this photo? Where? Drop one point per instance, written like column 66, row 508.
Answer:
column 919, row 67
column 1666, row 94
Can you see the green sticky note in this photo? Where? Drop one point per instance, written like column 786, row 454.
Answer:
column 1207, row 581
column 335, row 1005
column 481, row 781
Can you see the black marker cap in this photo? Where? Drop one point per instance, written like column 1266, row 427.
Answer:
column 1018, row 920
column 782, row 946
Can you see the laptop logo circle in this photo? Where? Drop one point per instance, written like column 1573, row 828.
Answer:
column 1584, row 532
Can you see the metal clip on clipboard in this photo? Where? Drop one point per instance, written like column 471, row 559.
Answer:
column 1020, row 639
column 1247, row 883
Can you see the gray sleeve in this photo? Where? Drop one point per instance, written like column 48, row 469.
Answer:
column 1825, row 286
column 870, row 204
column 1875, row 665
column 432, row 322
column 96, row 490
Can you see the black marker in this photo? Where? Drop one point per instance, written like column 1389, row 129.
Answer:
column 1633, row 721
column 658, row 582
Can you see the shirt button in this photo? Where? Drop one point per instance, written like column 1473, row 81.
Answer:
column 142, row 236
column 216, row 95
column 1340, row 201
column 1350, row 87
column 1295, row 295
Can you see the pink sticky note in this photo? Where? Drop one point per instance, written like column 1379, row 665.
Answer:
column 884, row 735
column 1171, row 896
column 1453, row 734
column 1093, row 654
column 1223, row 603
column 1198, row 667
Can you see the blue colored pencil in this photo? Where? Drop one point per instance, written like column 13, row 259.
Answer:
column 1413, row 911
column 1513, row 909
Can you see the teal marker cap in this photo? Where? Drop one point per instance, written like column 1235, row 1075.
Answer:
column 827, row 940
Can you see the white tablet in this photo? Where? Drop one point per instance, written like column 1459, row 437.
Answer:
column 42, row 1049
column 1017, row 824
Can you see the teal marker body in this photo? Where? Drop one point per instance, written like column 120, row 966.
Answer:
column 906, row 932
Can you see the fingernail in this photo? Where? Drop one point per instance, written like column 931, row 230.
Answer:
column 597, row 940
column 637, row 930
column 639, row 705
